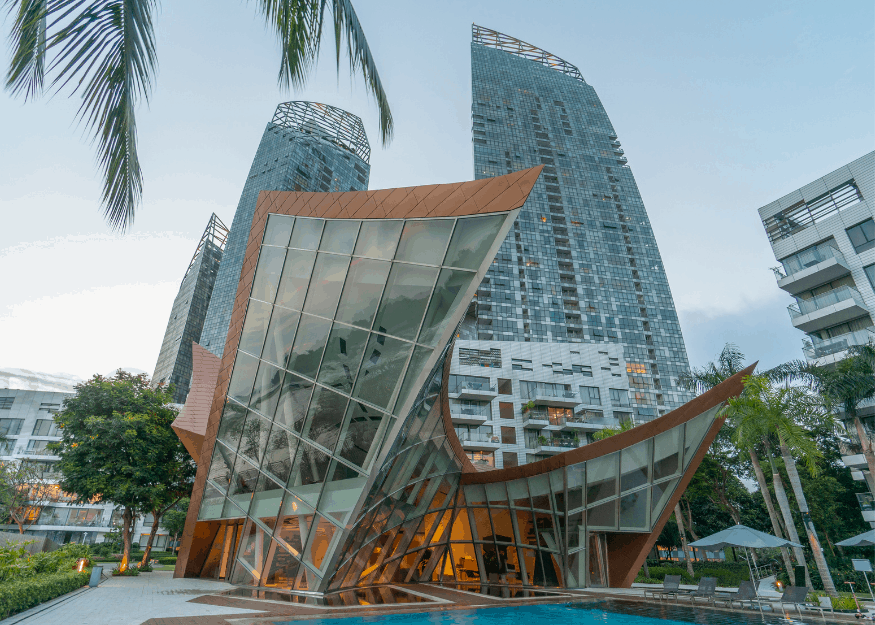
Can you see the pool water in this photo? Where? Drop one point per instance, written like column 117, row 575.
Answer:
column 608, row 611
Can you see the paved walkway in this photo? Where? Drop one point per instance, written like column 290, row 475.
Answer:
column 130, row 601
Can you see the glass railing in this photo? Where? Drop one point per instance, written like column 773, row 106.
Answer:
column 474, row 386
column 551, row 392
column 807, row 258
column 818, row 348
column 477, row 437
column 469, row 411
column 867, row 502
column 841, row 294
column 566, row 443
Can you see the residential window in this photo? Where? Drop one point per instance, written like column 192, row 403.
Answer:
column 37, row 447
column 590, row 395
column 862, row 236
column 10, row 427
column 505, row 410
column 481, row 457
column 6, row 403
column 619, row 397
column 509, row 459
column 584, row 370
column 45, row 427
column 505, row 387
column 508, row 435
column 460, row 382
column 870, row 273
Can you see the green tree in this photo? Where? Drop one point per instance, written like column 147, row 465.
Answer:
column 104, row 51
column 786, row 413
column 116, row 437
column 23, row 492
column 174, row 519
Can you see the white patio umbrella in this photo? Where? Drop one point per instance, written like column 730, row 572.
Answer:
column 742, row 536
column 866, row 539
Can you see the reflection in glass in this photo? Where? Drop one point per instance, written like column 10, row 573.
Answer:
column 295, row 279
column 343, row 355
column 603, row 516
column 307, row 233
column 695, row 433
column 294, row 525
column 325, row 418
column 449, row 293
column 253, row 549
column 471, row 240
column 255, row 434
column 266, row 391
column 378, row 238
column 357, row 441
column 240, row 386
column 404, row 300
column 266, row 501
column 633, row 510
column 281, row 568
column 576, row 474
column 326, row 284
column 659, row 496
column 231, row 425
column 381, row 369
column 361, row 294
column 280, row 451
column 320, row 538
column 424, row 241
column 280, row 335
column 309, row 345
column 308, row 472
column 601, row 478
column 666, row 453
column 211, row 503
column 518, row 493
column 255, row 327
column 278, row 229
column 340, row 235
column 635, row 466
column 414, row 369
column 221, row 467
column 576, row 529
column 341, row 492
column 293, row 402
column 267, row 274
column 243, row 483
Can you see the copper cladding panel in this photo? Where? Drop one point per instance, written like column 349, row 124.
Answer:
column 491, row 195
column 191, row 424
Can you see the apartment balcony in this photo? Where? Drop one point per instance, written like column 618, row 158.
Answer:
column 562, row 399
column 831, row 350
column 828, row 309
column 479, row 442
column 534, row 419
column 810, row 268
column 474, row 391
column 554, row 446
column 468, row 416
column 590, row 424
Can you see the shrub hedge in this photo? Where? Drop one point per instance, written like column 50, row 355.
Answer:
column 22, row 594
column 171, row 560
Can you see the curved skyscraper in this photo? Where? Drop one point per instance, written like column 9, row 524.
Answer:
column 307, row 146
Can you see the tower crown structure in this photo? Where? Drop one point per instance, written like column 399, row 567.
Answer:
column 328, row 122
column 494, row 39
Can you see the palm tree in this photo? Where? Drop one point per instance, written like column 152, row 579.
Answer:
column 729, row 362
column 763, row 411
column 104, row 52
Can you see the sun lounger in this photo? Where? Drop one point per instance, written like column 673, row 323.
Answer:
column 796, row 596
column 671, row 587
column 747, row 593
column 705, row 591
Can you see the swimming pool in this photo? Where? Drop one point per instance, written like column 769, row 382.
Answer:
column 608, row 611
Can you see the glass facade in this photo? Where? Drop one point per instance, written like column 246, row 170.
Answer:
column 306, row 147
column 582, row 263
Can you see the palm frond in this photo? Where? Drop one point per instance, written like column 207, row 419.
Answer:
column 27, row 40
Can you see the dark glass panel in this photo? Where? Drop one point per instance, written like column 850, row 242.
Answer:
column 326, row 284
column 633, row 510
column 496, row 494
column 547, row 536
column 362, row 291
column 404, row 300
column 325, row 417
column 255, row 436
column 378, row 238
column 424, row 241
column 577, row 570
column 576, row 529
column 471, row 240
column 518, row 492
column 381, row 369
column 635, row 466
column 243, row 483
column 320, row 539
column 222, row 466
column 231, row 425
column 240, row 386
column 340, row 235
column 601, row 478
column 481, row 523
column 539, row 488
column 357, row 440
column 529, row 560
column 449, row 294
column 666, row 453
column 281, row 569
column 576, row 475
column 694, row 433
column 294, row 399
column 280, row 336
column 280, row 451
column 503, row 526
column 343, row 355
column 414, row 369
column 307, row 233
column 309, row 345
column 255, row 327
column 296, row 278
column 659, row 496
column 308, row 473
column 278, row 229
column 266, row 392
column 267, row 273
column 603, row 516
column 211, row 503
column 475, row 495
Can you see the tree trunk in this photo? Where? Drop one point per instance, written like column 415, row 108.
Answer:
column 127, row 528
column 646, row 569
column 156, row 518
column 868, row 454
column 816, row 549
column 784, row 504
column 680, row 521
column 690, row 522
column 773, row 516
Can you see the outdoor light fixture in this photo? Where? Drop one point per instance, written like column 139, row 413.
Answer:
column 80, row 564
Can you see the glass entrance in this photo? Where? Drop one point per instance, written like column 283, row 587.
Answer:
column 598, row 561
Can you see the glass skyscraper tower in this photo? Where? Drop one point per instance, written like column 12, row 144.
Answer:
column 307, row 146
column 581, row 263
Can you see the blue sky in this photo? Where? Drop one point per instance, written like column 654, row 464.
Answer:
column 721, row 108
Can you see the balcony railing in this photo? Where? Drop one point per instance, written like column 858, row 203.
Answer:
column 818, row 348
column 469, row 411
column 867, row 502
column 841, row 294
column 481, row 387
column 566, row 443
column 477, row 437
column 546, row 391
column 807, row 258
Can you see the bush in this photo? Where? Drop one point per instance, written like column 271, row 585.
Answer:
column 16, row 563
column 131, row 571
column 145, row 568
column 171, row 560
column 22, row 594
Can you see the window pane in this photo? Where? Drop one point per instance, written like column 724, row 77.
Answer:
column 255, row 327
column 293, row 402
column 420, row 356
column 659, row 496
column 255, row 436
column 694, row 433
column 280, row 451
column 471, row 240
column 325, row 417
column 278, row 230
column 448, row 296
column 244, row 375
column 381, row 370
column 603, row 516
column 666, row 455
column 309, row 345
column 280, row 335
column 359, row 439
column 296, row 278
column 378, row 238
column 341, row 492
column 266, row 501
column 601, row 478
column 424, row 241
column 343, row 355
column 361, row 294
column 339, row 235
column 307, row 233
column 320, row 538
column 633, row 510
column 308, row 472
column 266, row 391
column 405, row 299
column 326, row 284
column 222, row 466
column 635, row 466
column 267, row 274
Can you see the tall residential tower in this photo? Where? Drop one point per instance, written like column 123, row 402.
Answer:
column 307, row 146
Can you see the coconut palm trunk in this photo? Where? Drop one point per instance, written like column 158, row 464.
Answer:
column 868, row 454
column 680, row 521
column 784, row 505
column 773, row 516
column 816, row 549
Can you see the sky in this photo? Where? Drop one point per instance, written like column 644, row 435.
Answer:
column 721, row 108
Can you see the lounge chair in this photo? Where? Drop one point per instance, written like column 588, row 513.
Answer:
column 747, row 593
column 671, row 587
column 705, row 591
column 796, row 596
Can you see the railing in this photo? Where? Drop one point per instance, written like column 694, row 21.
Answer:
column 604, row 421
column 808, row 306
column 474, row 386
column 549, row 392
column 807, row 258
column 818, row 348
column 476, row 437
column 560, row 442
column 469, row 411
column 867, row 502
